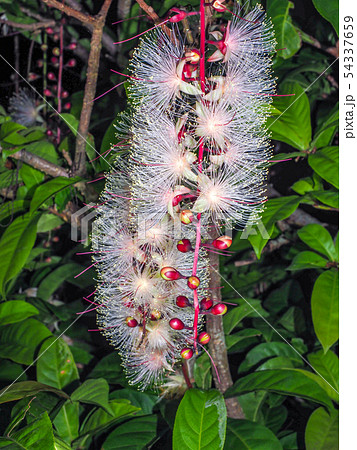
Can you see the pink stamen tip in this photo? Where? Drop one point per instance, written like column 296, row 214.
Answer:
column 117, row 85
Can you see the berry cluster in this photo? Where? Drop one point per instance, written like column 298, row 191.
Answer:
column 194, row 162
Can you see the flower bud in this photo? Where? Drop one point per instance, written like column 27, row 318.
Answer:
column 186, row 353
column 219, row 309
column 206, row 303
column 72, row 62
column 184, row 246
column 56, row 51
column 67, row 105
column 170, row 274
column 155, row 314
column 47, row 93
column 193, row 56
column 193, row 282
column 49, row 30
column 222, row 242
column 180, row 15
column 49, row 133
column 51, row 76
column 182, row 301
column 204, row 338
column 131, row 322
column 176, row 324
column 54, row 60
column 64, row 94
column 176, row 200
column 217, row 5
column 186, row 216
column 72, row 46
column 44, row 47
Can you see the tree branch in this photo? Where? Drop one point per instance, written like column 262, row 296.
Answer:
column 39, row 163
column 29, row 26
column 152, row 14
column 217, row 345
column 82, row 17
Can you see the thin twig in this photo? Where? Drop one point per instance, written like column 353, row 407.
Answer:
column 39, row 163
column 152, row 14
column 82, row 17
column 29, row 26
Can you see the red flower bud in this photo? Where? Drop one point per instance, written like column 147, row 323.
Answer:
column 39, row 63
column 176, row 324
column 54, row 60
column 131, row 322
column 186, row 216
column 55, row 239
column 222, row 243
column 206, row 303
column 33, row 76
column 180, row 15
column 49, row 133
column 64, row 94
column 176, row 200
column 49, row 30
column 155, row 314
column 184, row 246
column 67, row 105
column 170, row 274
column 193, row 282
column 219, row 309
column 56, row 51
column 47, row 93
column 186, row 353
column 182, row 301
column 51, row 76
column 72, row 46
column 72, row 62
column 204, row 338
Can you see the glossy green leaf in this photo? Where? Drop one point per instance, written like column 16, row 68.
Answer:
column 56, row 366
column 267, row 350
column 329, row 11
column 48, row 222
column 37, row 435
column 15, row 246
column 319, row 239
column 45, row 150
column 22, row 389
column 293, row 124
column 325, row 163
column 56, row 277
column 30, row 176
column 326, row 364
column 324, row 308
column 321, row 431
column 11, row 208
column 20, row 340
column 247, row 435
column 250, row 307
column 330, row 198
column 286, row 34
column 93, row 392
column 142, row 400
column 135, row 434
column 284, row 381
column 111, row 369
column 202, row 372
column 200, row 421
column 241, row 338
column 67, row 421
column 326, row 130
column 48, row 189
column 15, row 311
column 307, row 260
column 275, row 209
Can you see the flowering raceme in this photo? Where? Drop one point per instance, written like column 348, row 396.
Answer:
column 193, row 161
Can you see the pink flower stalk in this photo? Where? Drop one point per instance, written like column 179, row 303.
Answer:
column 195, row 147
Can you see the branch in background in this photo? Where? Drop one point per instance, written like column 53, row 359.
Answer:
column 29, row 26
column 152, row 14
column 39, row 163
column 82, row 17
column 217, row 344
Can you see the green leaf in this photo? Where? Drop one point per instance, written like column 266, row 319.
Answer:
column 267, row 350
column 15, row 246
column 99, row 420
column 110, row 368
column 20, row 340
column 293, row 125
column 307, row 260
column 326, row 130
column 45, row 150
column 135, row 434
column 144, row 401
column 282, row 381
column 329, row 11
column 55, row 278
column 244, row 336
column 37, row 435
column 327, row 366
column 56, row 366
column 11, row 208
column 67, row 421
column 275, row 209
column 325, row 163
column 200, row 421
column 93, row 392
column 10, row 128
column 324, row 308
column 48, row 189
column 321, row 431
column 15, row 311
column 16, row 391
column 319, row 239
column 30, row 176
column 233, row 318
column 287, row 36
column 9, row 178
column 48, row 222
column 247, row 435
column 202, row 372
column 330, row 198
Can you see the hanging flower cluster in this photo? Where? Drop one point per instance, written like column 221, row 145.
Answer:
column 195, row 163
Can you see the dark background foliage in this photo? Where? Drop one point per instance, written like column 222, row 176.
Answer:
column 282, row 335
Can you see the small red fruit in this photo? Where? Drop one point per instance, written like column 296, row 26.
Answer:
column 182, row 301
column 184, row 246
column 170, row 274
column 176, row 324
column 219, row 310
column 186, row 353
column 222, row 243
column 206, row 303
column 131, row 322
column 193, row 282
column 204, row 338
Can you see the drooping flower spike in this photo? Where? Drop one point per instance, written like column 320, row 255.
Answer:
column 193, row 160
